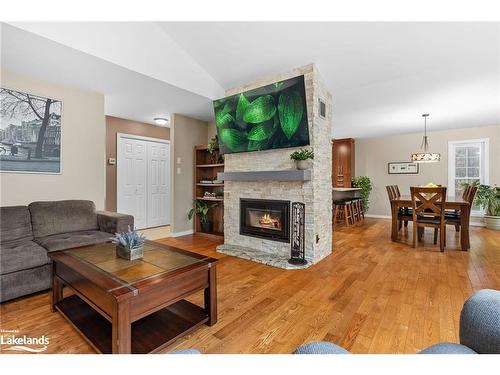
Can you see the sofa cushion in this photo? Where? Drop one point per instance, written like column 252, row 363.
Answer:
column 15, row 224
column 447, row 348
column 65, row 241
column 56, row 217
column 21, row 255
column 18, row 284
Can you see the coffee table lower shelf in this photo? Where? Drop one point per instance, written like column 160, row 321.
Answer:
column 149, row 334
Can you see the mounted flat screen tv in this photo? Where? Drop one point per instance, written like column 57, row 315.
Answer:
column 269, row 117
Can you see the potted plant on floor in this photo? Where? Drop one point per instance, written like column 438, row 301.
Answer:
column 129, row 245
column 365, row 184
column 302, row 158
column 201, row 208
column 488, row 197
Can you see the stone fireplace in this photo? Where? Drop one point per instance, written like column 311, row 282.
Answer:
column 264, row 178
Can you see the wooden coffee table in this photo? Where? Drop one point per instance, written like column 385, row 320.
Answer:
column 122, row 306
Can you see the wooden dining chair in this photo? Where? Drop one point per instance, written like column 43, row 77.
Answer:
column 403, row 213
column 455, row 217
column 428, row 211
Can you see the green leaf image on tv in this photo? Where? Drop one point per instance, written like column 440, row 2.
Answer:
column 269, row 117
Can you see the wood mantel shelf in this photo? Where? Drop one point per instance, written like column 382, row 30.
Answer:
column 286, row 175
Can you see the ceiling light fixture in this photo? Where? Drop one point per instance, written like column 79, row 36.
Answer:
column 161, row 121
column 425, row 156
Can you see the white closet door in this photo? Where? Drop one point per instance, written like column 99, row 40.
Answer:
column 132, row 180
column 158, row 184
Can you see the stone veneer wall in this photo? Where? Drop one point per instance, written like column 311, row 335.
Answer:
column 316, row 194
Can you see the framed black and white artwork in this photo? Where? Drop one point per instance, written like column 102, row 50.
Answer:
column 30, row 133
column 402, row 167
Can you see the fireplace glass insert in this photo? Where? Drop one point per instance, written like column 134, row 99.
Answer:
column 269, row 219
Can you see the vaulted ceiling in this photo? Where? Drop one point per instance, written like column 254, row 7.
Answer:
column 382, row 75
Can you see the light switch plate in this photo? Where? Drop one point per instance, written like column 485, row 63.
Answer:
column 179, row 170
column 178, row 160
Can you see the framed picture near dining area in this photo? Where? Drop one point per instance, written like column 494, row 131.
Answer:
column 402, row 167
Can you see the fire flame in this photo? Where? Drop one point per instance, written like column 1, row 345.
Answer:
column 267, row 219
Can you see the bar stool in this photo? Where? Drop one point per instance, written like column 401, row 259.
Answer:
column 343, row 210
column 358, row 206
column 356, row 214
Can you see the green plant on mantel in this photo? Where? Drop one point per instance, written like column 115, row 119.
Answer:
column 302, row 154
column 365, row 184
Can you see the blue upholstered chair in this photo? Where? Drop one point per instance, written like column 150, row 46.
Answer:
column 479, row 330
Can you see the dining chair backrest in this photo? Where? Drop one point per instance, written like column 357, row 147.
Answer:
column 392, row 192
column 428, row 201
column 396, row 188
column 466, row 191
column 471, row 194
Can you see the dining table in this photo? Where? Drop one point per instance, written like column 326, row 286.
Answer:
column 452, row 203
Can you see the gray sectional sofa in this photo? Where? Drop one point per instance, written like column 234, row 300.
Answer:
column 29, row 233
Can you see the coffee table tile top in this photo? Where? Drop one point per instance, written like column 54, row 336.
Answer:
column 156, row 260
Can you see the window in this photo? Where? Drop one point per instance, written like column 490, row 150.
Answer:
column 467, row 162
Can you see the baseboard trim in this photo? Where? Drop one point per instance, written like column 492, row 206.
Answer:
column 475, row 224
column 373, row 216
column 179, row 234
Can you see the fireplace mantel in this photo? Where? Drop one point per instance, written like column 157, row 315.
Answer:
column 286, row 175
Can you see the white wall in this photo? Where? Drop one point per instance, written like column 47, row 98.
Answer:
column 373, row 154
column 83, row 148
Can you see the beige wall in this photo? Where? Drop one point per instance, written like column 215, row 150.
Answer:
column 116, row 125
column 185, row 133
column 373, row 154
column 83, row 157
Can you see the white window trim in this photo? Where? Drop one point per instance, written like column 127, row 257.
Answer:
column 451, row 162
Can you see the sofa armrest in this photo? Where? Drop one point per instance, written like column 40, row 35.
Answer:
column 320, row 347
column 112, row 222
column 480, row 322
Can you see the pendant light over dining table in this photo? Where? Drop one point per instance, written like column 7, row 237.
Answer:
column 425, row 156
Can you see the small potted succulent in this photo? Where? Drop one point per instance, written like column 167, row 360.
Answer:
column 302, row 158
column 201, row 208
column 129, row 245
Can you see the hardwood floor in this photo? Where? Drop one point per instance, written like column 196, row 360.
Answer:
column 370, row 296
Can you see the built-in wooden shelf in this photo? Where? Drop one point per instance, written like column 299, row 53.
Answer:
column 206, row 167
column 209, row 165
column 210, row 199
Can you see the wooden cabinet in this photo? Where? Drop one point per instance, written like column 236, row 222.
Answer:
column 342, row 162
